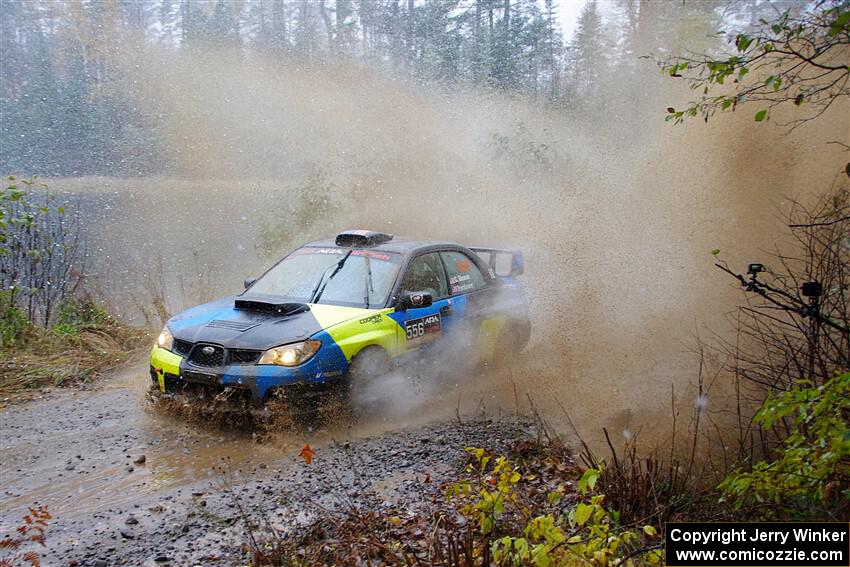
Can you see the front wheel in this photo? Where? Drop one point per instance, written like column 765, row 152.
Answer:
column 364, row 374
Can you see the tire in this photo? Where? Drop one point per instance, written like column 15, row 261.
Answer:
column 521, row 335
column 513, row 340
column 365, row 371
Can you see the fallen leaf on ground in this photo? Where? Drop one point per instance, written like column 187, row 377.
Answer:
column 307, row 453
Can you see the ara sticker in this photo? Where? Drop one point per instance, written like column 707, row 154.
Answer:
column 422, row 330
column 314, row 250
column 372, row 254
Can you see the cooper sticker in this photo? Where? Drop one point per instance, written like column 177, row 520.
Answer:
column 422, row 330
column 373, row 319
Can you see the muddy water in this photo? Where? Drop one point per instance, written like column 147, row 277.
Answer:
column 76, row 452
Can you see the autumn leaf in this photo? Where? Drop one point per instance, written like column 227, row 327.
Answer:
column 307, row 453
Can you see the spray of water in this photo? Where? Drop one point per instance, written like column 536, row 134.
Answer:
column 617, row 213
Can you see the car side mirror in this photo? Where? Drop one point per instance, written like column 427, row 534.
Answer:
column 414, row 300
column 249, row 282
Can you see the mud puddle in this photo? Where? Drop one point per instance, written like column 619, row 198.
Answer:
column 79, row 451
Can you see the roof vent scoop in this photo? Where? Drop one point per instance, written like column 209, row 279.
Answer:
column 361, row 238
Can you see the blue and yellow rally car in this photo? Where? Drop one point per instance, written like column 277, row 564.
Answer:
column 336, row 312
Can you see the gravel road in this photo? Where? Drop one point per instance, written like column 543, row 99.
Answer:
column 129, row 486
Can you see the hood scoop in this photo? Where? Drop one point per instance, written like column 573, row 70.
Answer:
column 268, row 305
column 232, row 325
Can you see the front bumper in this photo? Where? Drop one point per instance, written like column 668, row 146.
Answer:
column 171, row 372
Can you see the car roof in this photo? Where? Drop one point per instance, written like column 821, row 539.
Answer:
column 399, row 244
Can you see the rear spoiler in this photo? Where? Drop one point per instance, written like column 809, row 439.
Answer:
column 503, row 262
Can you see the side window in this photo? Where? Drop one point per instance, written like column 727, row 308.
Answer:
column 425, row 273
column 464, row 275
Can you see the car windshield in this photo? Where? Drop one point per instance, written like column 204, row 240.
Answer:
column 312, row 271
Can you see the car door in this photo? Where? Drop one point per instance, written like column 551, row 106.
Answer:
column 423, row 327
column 475, row 323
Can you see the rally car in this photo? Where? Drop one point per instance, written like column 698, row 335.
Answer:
column 333, row 313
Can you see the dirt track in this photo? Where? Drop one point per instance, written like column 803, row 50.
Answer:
column 80, row 453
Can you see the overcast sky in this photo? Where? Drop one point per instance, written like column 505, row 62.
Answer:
column 570, row 10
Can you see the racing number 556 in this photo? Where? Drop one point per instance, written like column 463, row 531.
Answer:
column 422, row 329
column 417, row 330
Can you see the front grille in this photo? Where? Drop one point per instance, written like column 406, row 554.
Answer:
column 216, row 358
column 181, row 347
column 239, row 356
column 200, row 358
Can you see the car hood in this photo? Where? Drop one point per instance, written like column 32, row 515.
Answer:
column 221, row 323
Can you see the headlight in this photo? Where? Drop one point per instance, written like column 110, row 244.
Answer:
column 165, row 339
column 290, row 355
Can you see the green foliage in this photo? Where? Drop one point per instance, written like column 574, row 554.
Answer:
column 11, row 216
column 13, row 322
column 591, row 536
column 794, row 58
column 296, row 213
column 589, row 533
column 75, row 316
column 492, row 493
column 809, row 474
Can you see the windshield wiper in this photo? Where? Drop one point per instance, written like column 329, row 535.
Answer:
column 320, row 289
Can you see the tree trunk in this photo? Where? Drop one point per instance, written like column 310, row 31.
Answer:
column 279, row 23
column 329, row 29
column 411, row 23
column 185, row 21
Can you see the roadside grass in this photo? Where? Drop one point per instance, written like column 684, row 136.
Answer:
column 84, row 343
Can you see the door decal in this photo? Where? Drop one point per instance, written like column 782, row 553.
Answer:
column 422, row 330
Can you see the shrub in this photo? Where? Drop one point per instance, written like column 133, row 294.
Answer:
column 40, row 250
column 808, row 476
column 76, row 315
column 588, row 533
column 13, row 322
